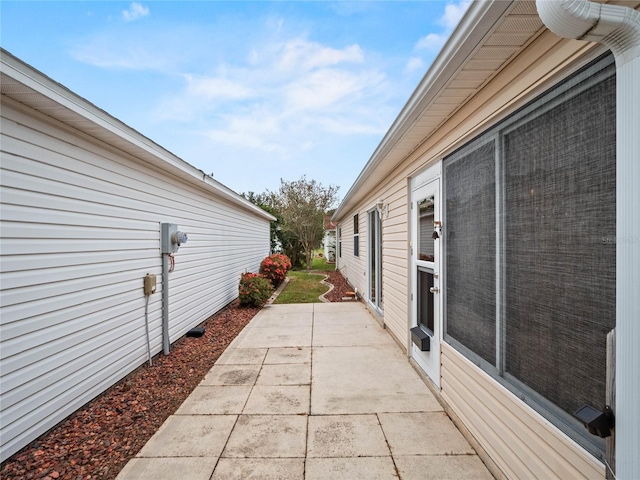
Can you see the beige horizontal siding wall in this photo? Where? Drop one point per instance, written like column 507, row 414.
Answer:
column 353, row 268
column 395, row 255
column 80, row 228
column 395, row 240
column 520, row 441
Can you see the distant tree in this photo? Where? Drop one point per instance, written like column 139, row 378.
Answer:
column 303, row 204
column 281, row 240
column 292, row 248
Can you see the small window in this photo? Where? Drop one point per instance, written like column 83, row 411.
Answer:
column 340, row 242
column 356, row 237
column 426, row 247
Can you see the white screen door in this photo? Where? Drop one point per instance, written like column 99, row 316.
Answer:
column 425, row 278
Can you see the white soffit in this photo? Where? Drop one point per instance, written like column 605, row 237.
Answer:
column 516, row 30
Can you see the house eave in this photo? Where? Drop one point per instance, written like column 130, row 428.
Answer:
column 409, row 130
column 30, row 87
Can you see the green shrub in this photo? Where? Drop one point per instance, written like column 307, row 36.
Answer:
column 254, row 289
column 275, row 268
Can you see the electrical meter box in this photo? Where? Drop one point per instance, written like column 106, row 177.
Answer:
column 171, row 238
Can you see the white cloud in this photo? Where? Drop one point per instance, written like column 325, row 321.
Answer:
column 101, row 53
column 300, row 53
column 327, row 87
column 434, row 41
column 431, row 41
column 142, row 48
column 414, row 64
column 248, row 134
column 212, row 87
column 277, row 96
column 453, row 12
column 283, row 95
column 136, row 10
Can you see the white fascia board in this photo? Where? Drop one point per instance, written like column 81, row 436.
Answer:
column 35, row 80
column 476, row 23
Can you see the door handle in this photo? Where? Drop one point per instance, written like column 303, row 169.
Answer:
column 434, row 289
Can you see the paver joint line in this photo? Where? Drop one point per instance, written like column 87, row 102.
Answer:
column 362, row 400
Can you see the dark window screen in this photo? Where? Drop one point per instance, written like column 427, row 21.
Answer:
column 470, row 237
column 559, row 281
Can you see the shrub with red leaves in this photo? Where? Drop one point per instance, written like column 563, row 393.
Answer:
column 275, row 268
column 254, row 289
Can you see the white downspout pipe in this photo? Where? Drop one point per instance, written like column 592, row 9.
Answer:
column 618, row 28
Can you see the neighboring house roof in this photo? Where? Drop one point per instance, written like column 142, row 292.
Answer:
column 328, row 224
column 30, row 87
column 488, row 37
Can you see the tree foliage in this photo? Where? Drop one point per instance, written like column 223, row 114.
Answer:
column 281, row 241
column 265, row 202
column 299, row 207
column 302, row 205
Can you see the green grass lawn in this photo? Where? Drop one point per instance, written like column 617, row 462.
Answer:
column 320, row 263
column 303, row 287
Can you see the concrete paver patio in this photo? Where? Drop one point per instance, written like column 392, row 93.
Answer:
column 309, row 391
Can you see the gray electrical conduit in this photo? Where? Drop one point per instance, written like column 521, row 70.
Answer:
column 146, row 324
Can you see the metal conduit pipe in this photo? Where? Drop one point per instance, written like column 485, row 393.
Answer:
column 166, row 344
column 618, row 28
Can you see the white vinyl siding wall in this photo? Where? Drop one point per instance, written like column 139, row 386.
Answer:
column 80, row 229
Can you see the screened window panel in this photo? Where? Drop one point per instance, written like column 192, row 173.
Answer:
column 470, row 238
column 559, row 266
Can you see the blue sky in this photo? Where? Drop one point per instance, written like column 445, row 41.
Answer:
column 251, row 92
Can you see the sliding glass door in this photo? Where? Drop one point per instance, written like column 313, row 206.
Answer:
column 375, row 259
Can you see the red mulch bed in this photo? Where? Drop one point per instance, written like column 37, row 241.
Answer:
column 98, row 440
column 340, row 287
